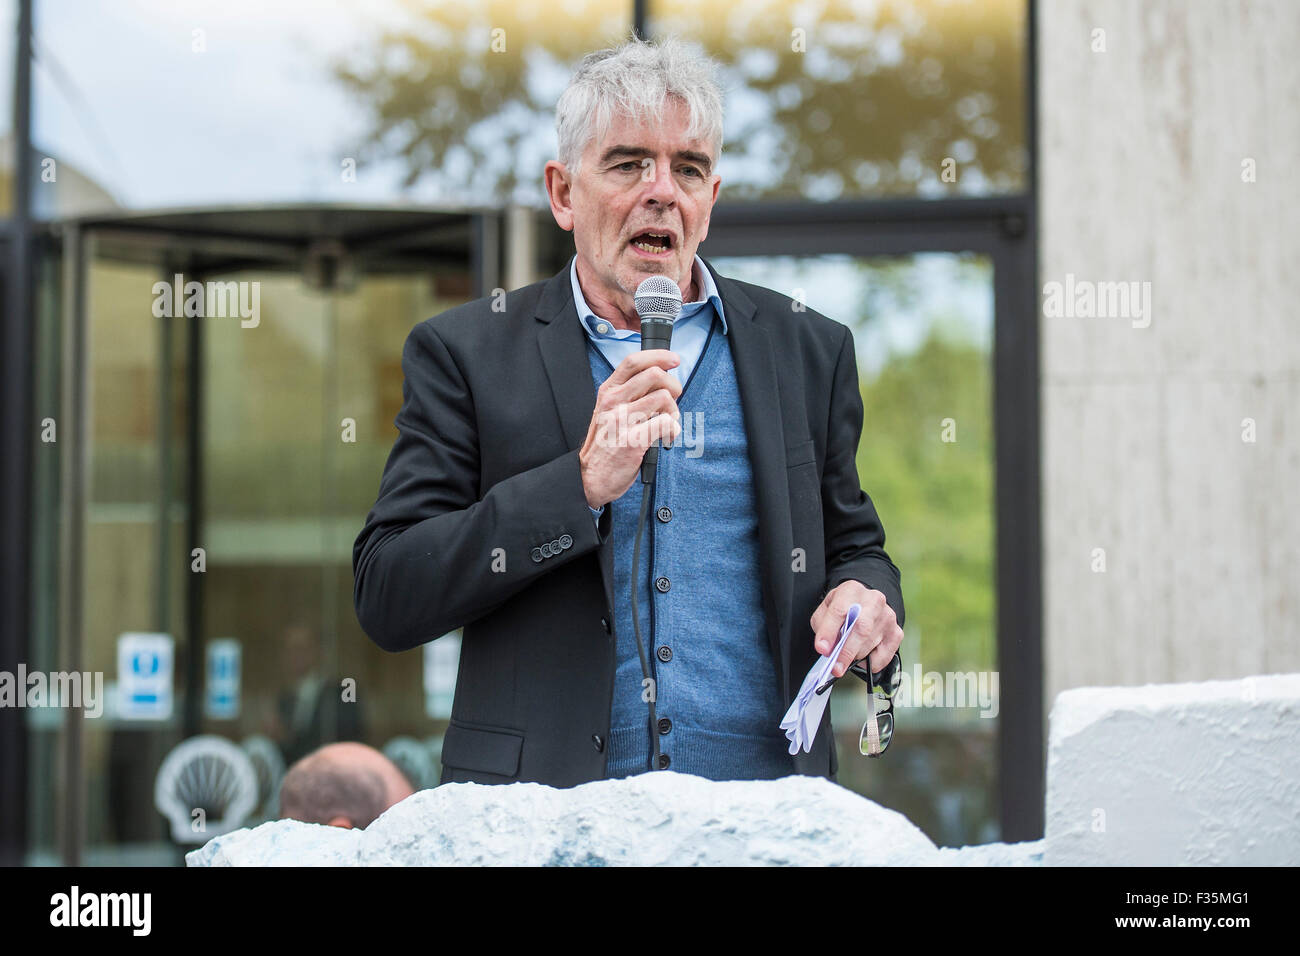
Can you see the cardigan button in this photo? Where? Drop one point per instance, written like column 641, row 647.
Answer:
column 665, row 725
column 662, row 585
column 664, row 761
column 665, row 653
column 664, row 514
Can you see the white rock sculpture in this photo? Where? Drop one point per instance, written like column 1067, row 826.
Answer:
column 1198, row 774
column 650, row 819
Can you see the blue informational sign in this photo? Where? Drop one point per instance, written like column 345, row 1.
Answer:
column 221, row 689
column 144, row 676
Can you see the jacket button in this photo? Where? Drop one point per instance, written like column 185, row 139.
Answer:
column 546, row 550
column 566, row 542
column 537, row 555
column 664, row 514
column 599, row 743
column 664, row 761
column 604, row 622
column 555, row 547
column 665, row 725
column 665, row 653
column 662, row 585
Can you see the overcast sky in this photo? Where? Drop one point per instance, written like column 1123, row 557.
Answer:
column 121, row 94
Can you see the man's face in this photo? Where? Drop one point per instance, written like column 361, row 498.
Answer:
column 640, row 203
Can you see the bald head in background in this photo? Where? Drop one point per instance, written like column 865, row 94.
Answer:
column 342, row 785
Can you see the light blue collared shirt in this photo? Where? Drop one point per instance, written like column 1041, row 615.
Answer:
column 690, row 331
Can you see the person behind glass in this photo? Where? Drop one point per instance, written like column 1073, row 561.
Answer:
column 510, row 498
column 309, row 708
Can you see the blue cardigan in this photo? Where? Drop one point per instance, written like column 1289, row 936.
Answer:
column 718, row 701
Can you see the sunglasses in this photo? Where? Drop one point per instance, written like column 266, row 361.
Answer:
column 878, row 730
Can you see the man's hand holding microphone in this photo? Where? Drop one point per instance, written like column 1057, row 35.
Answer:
column 635, row 407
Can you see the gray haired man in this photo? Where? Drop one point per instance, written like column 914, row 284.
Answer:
column 508, row 506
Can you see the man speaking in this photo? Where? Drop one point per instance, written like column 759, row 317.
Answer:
column 510, row 502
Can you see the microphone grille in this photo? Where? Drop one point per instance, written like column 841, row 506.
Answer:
column 658, row 297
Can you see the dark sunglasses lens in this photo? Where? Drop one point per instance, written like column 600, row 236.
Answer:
column 885, row 723
column 891, row 678
column 873, row 745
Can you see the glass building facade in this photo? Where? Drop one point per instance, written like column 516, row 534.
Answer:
column 365, row 168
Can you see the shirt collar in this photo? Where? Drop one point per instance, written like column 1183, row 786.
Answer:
column 703, row 281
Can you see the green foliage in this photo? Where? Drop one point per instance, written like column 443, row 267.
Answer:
column 871, row 101
column 935, row 497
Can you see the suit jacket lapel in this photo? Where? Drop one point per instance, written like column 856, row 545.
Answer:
column 564, row 357
column 754, row 356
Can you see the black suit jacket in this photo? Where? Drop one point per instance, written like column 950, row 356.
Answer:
column 484, row 473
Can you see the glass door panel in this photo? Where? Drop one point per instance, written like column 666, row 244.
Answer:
column 294, row 423
column 923, row 331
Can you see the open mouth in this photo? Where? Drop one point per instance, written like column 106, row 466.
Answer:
column 653, row 243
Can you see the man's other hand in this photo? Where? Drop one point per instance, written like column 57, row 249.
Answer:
column 876, row 632
column 635, row 406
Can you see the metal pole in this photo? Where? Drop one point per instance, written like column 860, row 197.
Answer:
column 191, row 719
column 16, row 455
column 74, row 410
column 1022, row 759
column 639, row 18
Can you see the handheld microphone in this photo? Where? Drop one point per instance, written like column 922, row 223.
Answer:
column 658, row 302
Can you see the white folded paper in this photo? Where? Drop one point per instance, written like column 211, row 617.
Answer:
column 805, row 714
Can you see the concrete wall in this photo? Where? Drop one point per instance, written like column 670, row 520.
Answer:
column 1142, row 148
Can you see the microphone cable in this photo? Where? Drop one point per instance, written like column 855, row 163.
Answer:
column 647, row 682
